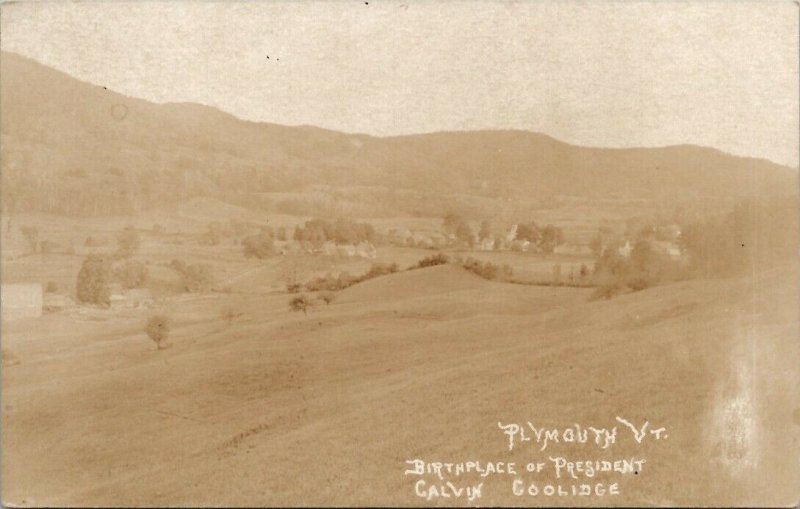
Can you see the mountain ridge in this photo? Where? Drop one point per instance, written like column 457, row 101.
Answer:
column 54, row 125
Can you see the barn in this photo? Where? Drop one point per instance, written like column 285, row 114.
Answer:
column 21, row 300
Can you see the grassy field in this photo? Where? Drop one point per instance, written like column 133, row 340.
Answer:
column 281, row 408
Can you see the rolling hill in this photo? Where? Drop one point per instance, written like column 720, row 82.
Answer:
column 326, row 408
column 63, row 138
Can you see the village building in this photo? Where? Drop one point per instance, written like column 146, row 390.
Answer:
column 626, row 250
column 511, row 236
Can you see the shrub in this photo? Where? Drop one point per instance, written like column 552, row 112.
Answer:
column 157, row 329
column 293, row 287
column 379, row 269
column 52, row 287
column 93, row 280
column 300, row 303
column 432, row 260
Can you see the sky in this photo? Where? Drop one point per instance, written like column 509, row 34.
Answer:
column 603, row 74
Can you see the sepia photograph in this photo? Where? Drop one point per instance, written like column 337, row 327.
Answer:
column 400, row 253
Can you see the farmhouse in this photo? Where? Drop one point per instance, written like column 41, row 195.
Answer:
column 23, row 300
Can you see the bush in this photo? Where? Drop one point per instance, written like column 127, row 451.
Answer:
column 379, row 269
column 330, row 283
column 432, row 260
column 52, row 287
column 93, row 280
column 300, row 303
column 157, row 329
column 326, row 297
column 127, row 242
column 488, row 270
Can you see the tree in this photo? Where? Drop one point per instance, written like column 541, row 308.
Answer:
column 128, row 242
column 451, row 222
column 157, row 329
column 93, row 280
column 528, row 231
column 551, row 237
column 300, row 303
column 345, row 232
column 464, row 233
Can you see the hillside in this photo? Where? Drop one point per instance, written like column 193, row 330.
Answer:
column 342, row 397
column 64, row 139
